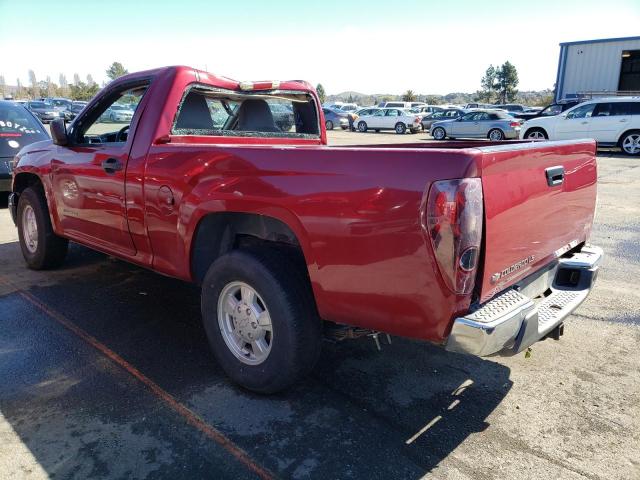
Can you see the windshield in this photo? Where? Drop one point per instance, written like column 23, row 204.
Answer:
column 17, row 129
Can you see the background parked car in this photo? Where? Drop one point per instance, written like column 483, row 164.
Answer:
column 426, row 109
column 396, row 119
column 117, row 113
column 492, row 124
column 18, row 127
column 549, row 110
column 448, row 114
column 335, row 118
column 609, row 121
column 46, row 112
column 282, row 116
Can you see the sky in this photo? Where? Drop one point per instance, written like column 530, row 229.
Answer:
column 369, row 47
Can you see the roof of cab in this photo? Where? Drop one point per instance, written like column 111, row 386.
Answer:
column 218, row 80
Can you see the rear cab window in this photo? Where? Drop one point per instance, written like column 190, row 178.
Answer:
column 209, row 111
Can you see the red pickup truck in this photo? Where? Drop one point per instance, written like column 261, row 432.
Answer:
column 480, row 247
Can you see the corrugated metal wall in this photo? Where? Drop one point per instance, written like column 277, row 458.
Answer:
column 593, row 66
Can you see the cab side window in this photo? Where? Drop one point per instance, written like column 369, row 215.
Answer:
column 111, row 122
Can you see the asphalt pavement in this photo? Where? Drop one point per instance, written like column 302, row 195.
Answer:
column 105, row 372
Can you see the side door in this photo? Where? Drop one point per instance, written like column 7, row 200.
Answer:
column 376, row 120
column 463, row 126
column 575, row 123
column 480, row 125
column 88, row 175
column 609, row 120
column 392, row 116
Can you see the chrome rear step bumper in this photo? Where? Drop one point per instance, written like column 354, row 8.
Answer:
column 510, row 322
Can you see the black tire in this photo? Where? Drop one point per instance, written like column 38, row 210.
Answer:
column 414, row 130
column 631, row 149
column 377, row 130
column 362, row 127
column 283, row 284
column 400, row 128
column 329, row 125
column 496, row 133
column 536, row 134
column 439, row 133
column 51, row 249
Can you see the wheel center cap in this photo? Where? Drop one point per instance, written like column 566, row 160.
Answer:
column 246, row 324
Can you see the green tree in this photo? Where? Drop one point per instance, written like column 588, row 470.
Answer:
column 116, row 70
column 408, row 96
column 321, row 93
column 506, row 82
column 84, row 91
column 488, row 84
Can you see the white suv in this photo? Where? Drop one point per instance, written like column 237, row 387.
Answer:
column 609, row 121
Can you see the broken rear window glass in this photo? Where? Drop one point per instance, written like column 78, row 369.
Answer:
column 217, row 112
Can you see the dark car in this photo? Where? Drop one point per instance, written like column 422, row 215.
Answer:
column 73, row 110
column 46, row 112
column 282, row 116
column 448, row 114
column 335, row 118
column 18, row 127
column 549, row 110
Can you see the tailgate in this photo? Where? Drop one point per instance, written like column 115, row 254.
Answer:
column 530, row 219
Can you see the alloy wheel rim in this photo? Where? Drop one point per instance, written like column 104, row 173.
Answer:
column 631, row 144
column 537, row 135
column 245, row 323
column 438, row 133
column 495, row 135
column 30, row 229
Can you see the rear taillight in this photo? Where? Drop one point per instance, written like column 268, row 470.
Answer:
column 416, row 120
column 514, row 124
column 453, row 221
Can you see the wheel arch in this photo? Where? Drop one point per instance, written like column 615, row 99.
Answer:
column 218, row 233
column 528, row 130
column 625, row 133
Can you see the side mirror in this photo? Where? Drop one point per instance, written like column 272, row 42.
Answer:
column 59, row 132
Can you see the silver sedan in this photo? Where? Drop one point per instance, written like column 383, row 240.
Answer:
column 492, row 124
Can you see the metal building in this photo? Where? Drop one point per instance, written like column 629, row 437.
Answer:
column 609, row 66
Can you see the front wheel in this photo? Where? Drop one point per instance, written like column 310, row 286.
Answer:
column 362, row 127
column 536, row 134
column 630, row 143
column 41, row 247
column 495, row 135
column 400, row 128
column 439, row 133
column 260, row 318
column 329, row 125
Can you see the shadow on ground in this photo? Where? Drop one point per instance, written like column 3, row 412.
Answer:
column 361, row 414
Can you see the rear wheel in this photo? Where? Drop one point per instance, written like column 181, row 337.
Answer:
column 362, row 126
column 439, row 133
column 260, row 318
column 630, row 143
column 536, row 134
column 329, row 125
column 495, row 134
column 400, row 128
column 41, row 248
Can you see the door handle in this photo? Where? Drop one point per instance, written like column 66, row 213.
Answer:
column 112, row 165
column 623, row 120
column 584, row 123
column 555, row 175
